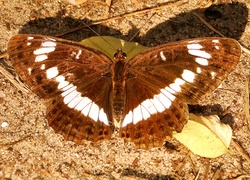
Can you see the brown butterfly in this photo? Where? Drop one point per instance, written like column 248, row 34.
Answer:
column 89, row 95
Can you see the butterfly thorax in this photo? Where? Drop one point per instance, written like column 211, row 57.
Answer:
column 119, row 85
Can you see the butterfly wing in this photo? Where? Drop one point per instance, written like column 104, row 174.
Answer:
column 162, row 80
column 74, row 79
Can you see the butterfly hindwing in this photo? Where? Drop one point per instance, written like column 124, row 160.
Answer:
column 71, row 77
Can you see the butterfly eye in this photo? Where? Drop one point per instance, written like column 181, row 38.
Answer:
column 124, row 55
column 115, row 55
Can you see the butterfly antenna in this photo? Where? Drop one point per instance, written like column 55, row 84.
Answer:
column 140, row 28
column 100, row 36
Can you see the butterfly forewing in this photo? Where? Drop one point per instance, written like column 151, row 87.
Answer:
column 190, row 68
column 162, row 76
column 72, row 78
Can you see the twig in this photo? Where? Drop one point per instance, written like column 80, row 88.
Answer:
column 243, row 177
column 216, row 174
column 122, row 16
column 107, row 8
column 207, row 168
column 247, row 103
column 240, row 150
column 216, row 31
column 19, row 85
column 181, row 165
column 208, row 25
column 4, row 55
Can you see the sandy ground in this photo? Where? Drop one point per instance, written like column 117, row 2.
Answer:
column 29, row 148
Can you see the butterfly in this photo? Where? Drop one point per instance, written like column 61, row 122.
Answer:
column 89, row 95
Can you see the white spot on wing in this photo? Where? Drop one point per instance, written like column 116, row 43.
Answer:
column 168, row 93
column 199, row 53
column 198, row 70
column 28, row 43
column 202, row 61
column 145, row 113
column 60, row 79
column 194, row 46
column 40, row 58
column 164, row 100
column 30, row 37
column 29, row 70
column 62, row 82
column 170, row 90
column 44, row 50
column 213, row 74
column 52, row 72
column 94, row 112
column 65, row 93
column 192, row 41
column 78, row 54
column 70, row 96
column 85, row 110
column 188, row 76
column 48, row 43
column 137, row 114
column 84, row 102
column 49, row 39
column 149, row 106
column 163, row 57
column 67, row 87
column 128, row 119
column 42, row 67
column 215, row 41
column 103, row 117
column 73, row 99
column 158, row 105
column 176, row 86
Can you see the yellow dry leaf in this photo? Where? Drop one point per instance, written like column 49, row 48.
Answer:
column 223, row 131
column 109, row 45
column 205, row 136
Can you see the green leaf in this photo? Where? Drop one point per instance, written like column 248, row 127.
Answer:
column 109, row 45
column 205, row 136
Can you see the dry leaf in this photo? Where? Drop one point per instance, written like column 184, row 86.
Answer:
column 109, row 45
column 205, row 136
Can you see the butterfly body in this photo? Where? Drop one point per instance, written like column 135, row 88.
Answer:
column 119, row 85
column 88, row 94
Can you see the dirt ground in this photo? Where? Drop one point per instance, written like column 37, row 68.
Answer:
column 30, row 149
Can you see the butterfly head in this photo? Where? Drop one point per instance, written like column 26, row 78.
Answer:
column 120, row 55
